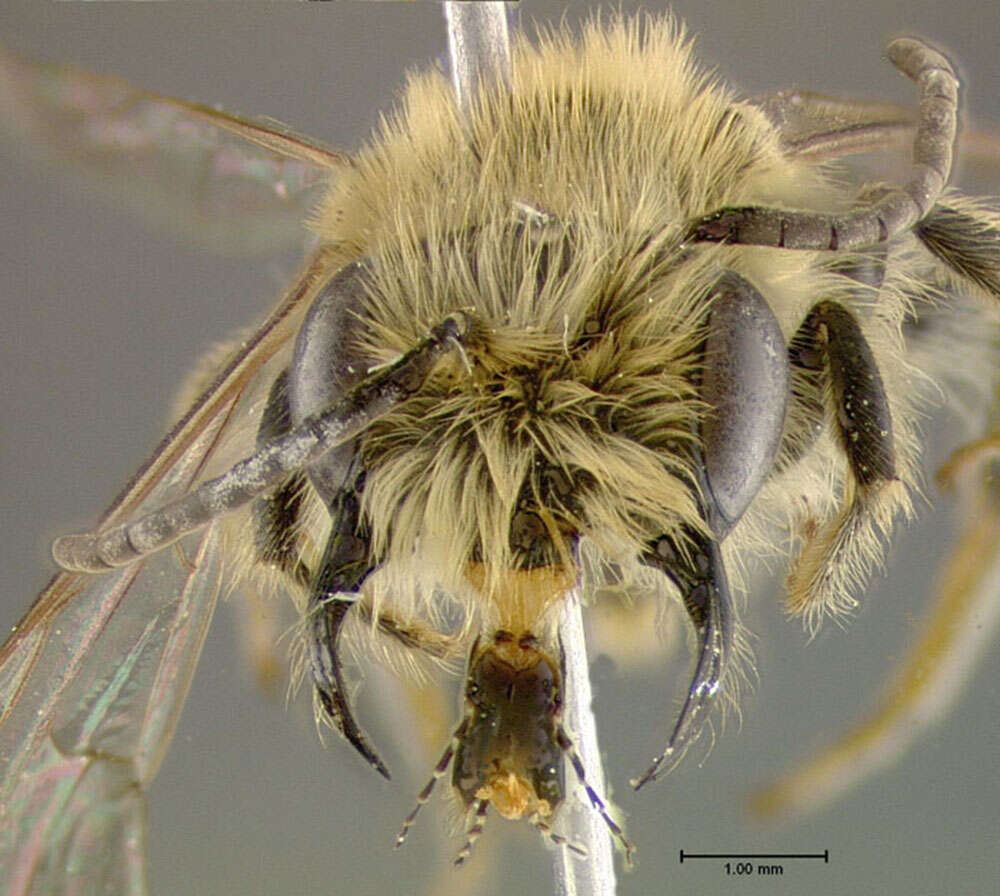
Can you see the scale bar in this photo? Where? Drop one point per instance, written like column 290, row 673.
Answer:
column 825, row 855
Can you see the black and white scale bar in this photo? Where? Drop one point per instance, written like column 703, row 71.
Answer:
column 825, row 855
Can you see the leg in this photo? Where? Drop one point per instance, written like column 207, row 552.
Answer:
column 807, row 364
column 276, row 515
column 831, row 335
column 837, row 553
column 965, row 613
column 334, row 586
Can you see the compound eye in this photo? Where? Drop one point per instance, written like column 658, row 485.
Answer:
column 745, row 381
column 326, row 364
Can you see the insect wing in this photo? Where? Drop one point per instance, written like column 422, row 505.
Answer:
column 824, row 128
column 93, row 679
column 92, row 683
column 231, row 183
column 91, row 701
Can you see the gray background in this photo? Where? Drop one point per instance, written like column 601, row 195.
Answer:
column 101, row 319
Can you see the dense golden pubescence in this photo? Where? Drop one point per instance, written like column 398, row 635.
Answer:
column 555, row 213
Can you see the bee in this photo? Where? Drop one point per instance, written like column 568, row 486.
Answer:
column 505, row 587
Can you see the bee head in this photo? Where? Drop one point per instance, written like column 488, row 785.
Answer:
column 510, row 756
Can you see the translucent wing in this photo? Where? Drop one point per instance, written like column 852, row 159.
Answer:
column 230, row 183
column 93, row 679
column 824, row 128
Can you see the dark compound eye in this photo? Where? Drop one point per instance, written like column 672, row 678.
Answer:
column 746, row 382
